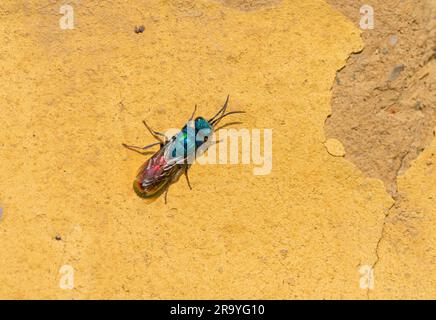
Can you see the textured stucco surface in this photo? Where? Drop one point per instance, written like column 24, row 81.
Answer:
column 406, row 264
column 69, row 98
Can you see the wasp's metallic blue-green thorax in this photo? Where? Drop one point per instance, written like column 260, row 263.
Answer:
column 192, row 136
column 195, row 133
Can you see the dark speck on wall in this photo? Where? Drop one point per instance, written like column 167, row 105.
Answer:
column 139, row 29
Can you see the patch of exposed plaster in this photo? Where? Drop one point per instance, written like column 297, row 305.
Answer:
column 383, row 106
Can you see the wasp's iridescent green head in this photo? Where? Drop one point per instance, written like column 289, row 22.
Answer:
column 203, row 131
column 202, row 123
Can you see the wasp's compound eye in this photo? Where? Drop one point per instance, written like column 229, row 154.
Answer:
column 203, row 135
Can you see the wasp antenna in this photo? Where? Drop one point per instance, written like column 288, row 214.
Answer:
column 222, row 110
column 228, row 124
column 193, row 113
column 216, row 121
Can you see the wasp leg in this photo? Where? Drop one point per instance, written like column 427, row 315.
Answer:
column 159, row 136
column 166, row 193
column 187, row 177
column 136, row 149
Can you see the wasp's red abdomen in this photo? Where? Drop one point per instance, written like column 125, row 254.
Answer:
column 152, row 178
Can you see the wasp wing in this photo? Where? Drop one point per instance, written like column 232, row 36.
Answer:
column 158, row 172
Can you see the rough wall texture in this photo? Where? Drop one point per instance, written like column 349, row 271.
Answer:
column 69, row 98
column 384, row 101
column 406, row 264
